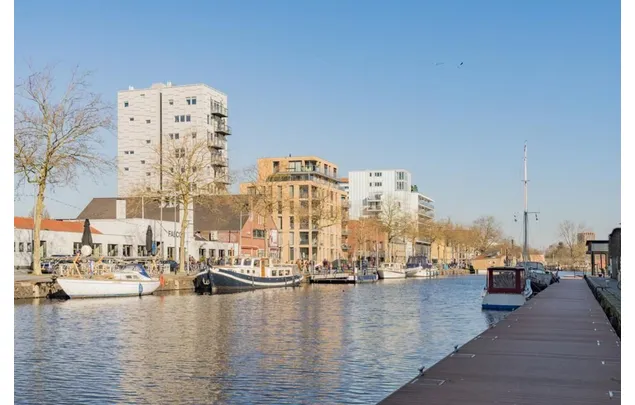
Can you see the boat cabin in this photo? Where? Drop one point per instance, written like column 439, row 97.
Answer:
column 259, row 267
column 391, row 266
column 505, row 280
column 418, row 261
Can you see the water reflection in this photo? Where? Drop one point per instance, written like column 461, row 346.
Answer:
column 308, row 345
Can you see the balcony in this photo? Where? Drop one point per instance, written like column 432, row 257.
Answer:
column 374, row 197
column 216, row 143
column 312, row 170
column 426, row 214
column 304, row 242
column 223, row 129
column 219, row 161
column 219, row 110
column 426, row 204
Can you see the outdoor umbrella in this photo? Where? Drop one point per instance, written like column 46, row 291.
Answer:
column 149, row 240
column 87, row 237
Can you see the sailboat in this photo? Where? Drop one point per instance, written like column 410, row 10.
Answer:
column 508, row 288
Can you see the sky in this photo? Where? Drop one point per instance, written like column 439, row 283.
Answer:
column 361, row 84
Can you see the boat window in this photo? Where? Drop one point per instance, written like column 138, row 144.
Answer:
column 247, row 262
column 274, row 273
column 288, row 272
column 256, row 263
column 128, row 276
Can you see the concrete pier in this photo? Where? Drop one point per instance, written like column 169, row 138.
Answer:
column 559, row 348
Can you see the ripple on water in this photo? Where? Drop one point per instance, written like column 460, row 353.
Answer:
column 317, row 344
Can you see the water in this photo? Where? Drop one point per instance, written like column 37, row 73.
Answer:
column 317, row 344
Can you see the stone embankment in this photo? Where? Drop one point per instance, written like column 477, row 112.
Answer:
column 609, row 296
column 28, row 286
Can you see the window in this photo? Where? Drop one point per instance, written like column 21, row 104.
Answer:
column 21, row 247
column 291, row 238
column 143, row 162
column 401, row 176
column 207, row 119
column 187, row 118
column 28, row 246
column 377, row 174
column 141, row 250
column 143, row 94
column 126, row 169
column 279, row 222
column 377, row 184
column 171, row 102
column 125, row 104
column 279, row 192
column 126, row 152
column 131, row 118
column 113, row 250
column 259, row 233
column 148, row 174
column 193, row 135
column 291, row 191
column 370, row 184
column 291, row 252
column 401, row 185
column 176, row 118
column 370, row 175
column 182, row 118
column 148, row 121
column 179, row 153
column 176, row 136
column 291, row 222
column 132, row 152
column 191, row 100
column 127, row 250
column 147, row 141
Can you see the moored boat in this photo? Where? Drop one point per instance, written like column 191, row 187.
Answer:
column 391, row 271
column 419, row 267
column 247, row 273
column 131, row 280
column 506, row 289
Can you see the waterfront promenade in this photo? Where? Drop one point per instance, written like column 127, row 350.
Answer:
column 557, row 349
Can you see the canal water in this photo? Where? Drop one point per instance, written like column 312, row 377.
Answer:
column 316, row 344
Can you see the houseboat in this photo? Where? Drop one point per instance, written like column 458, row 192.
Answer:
column 247, row 273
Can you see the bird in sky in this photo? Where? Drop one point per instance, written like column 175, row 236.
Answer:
column 460, row 64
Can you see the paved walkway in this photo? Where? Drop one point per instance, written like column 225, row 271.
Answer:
column 559, row 348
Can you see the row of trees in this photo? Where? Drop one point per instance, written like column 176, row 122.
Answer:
column 570, row 250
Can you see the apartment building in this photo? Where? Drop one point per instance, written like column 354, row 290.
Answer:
column 152, row 121
column 369, row 188
column 308, row 205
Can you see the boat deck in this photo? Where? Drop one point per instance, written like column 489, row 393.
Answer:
column 559, row 348
column 342, row 278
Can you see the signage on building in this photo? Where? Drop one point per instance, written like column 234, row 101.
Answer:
column 173, row 234
column 273, row 238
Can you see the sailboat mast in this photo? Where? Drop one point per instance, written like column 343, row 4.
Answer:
column 525, row 213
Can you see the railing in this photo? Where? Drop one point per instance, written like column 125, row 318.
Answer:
column 374, row 197
column 312, row 170
column 224, row 129
column 219, row 160
column 426, row 204
column 219, row 110
column 217, row 143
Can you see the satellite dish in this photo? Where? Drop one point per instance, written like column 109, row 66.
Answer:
column 86, row 250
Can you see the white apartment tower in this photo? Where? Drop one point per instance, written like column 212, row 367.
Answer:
column 149, row 117
column 368, row 188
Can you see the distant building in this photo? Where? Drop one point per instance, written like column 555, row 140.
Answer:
column 583, row 237
column 304, row 187
column 147, row 118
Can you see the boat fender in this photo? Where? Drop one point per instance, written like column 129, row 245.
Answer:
column 161, row 281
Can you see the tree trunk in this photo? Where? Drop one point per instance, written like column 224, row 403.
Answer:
column 37, row 219
column 266, row 253
column 182, row 236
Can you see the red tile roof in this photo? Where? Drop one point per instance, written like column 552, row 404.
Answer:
column 52, row 225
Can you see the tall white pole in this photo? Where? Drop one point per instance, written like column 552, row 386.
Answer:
column 525, row 213
column 161, row 222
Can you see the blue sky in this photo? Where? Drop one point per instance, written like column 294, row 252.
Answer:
column 357, row 83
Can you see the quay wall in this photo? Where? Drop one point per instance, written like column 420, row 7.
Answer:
column 47, row 288
column 610, row 303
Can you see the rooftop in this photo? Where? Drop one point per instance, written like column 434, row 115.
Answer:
column 171, row 85
column 52, row 225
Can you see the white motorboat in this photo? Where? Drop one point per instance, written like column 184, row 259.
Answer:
column 131, row 280
column 247, row 273
column 419, row 267
column 391, row 271
column 506, row 289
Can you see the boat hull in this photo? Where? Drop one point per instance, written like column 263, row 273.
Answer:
column 90, row 288
column 503, row 302
column 423, row 273
column 229, row 279
column 411, row 272
column 390, row 274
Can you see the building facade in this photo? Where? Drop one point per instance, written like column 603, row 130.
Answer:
column 150, row 119
column 368, row 188
column 583, row 237
column 307, row 205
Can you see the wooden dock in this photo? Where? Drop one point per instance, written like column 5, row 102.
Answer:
column 559, row 348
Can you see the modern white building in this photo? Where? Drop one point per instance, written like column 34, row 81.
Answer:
column 149, row 118
column 368, row 188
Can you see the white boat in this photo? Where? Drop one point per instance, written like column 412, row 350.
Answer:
column 537, row 273
column 391, row 271
column 247, row 273
column 131, row 280
column 419, row 267
column 506, row 289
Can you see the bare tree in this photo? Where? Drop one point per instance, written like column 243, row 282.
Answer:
column 363, row 231
column 57, row 139
column 432, row 232
column 265, row 197
column 183, row 172
column 568, row 231
column 45, row 213
column 393, row 220
column 487, row 231
column 323, row 210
